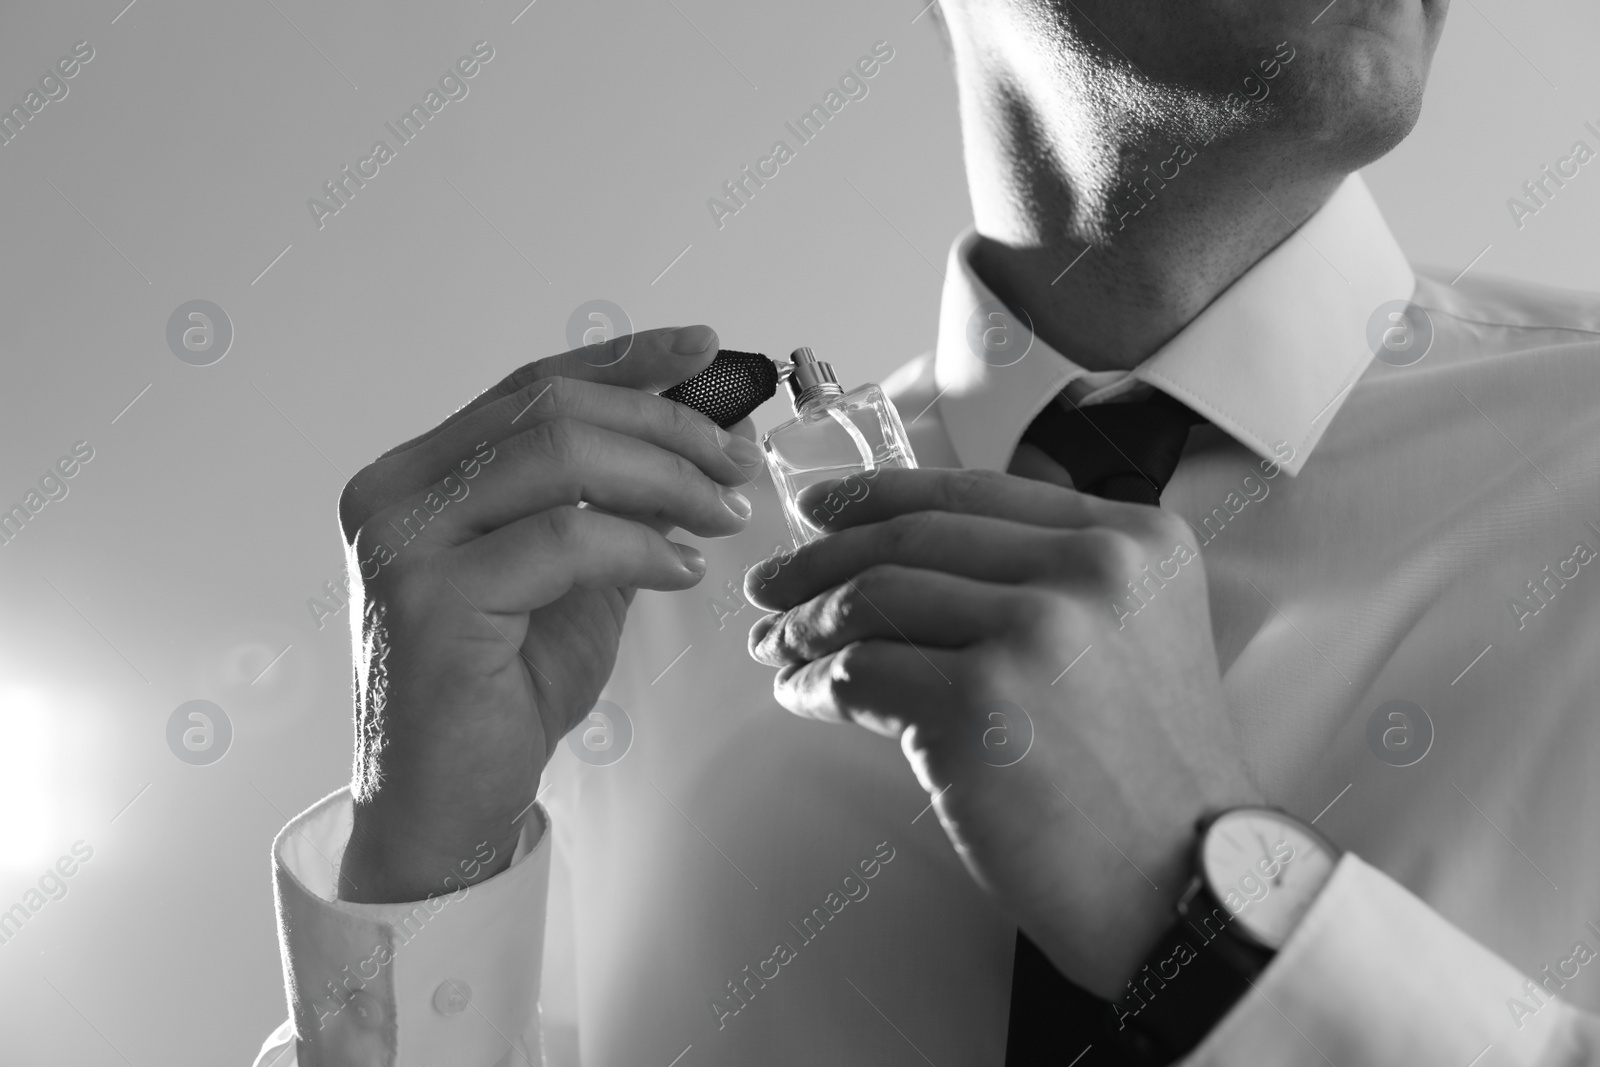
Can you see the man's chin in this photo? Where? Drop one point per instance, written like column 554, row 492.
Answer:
column 1360, row 106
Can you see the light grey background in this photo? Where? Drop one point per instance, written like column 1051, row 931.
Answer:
column 578, row 167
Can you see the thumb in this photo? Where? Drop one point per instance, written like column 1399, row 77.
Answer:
column 652, row 361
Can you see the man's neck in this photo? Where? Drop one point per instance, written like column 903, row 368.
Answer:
column 1108, row 276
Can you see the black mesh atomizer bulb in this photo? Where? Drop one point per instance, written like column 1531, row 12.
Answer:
column 733, row 386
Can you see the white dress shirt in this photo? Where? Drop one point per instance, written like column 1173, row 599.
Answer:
column 1372, row 533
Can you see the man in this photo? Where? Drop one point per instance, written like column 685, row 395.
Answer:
column 1363, row 603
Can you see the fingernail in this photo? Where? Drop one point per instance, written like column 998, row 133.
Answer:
column 692, row 340
column 736, row 502
column 693, row 561
column 762, row 627
column 742, row 450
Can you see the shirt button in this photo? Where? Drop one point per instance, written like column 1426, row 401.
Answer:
column 452, row 996
column 366, row 1009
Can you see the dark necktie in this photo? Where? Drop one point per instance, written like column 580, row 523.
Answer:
column 1121, row 451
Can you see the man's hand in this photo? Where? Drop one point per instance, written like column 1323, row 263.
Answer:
column 496, row 557
column 1069, row 745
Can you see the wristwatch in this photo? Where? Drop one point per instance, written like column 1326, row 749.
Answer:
column 1257, row 872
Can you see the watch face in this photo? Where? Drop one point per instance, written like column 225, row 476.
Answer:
column 1266, row 868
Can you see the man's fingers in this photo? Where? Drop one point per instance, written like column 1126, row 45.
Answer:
column 745, row 427
column 651, row 361
column 562, row 461
column 873, row 496
column 859, row 681
column 730, row 458
column 536, row 560
column 921, row 607
column 972, row 546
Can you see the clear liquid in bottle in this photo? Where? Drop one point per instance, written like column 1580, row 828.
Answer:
column 833, row 435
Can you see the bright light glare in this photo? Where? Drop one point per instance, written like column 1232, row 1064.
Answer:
column 27, row 801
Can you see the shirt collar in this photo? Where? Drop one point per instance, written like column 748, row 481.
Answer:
column 1270, row 360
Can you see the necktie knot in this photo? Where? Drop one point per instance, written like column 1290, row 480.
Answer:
column 1121, row 451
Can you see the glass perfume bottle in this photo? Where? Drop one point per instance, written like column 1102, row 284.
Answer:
column 834, row 434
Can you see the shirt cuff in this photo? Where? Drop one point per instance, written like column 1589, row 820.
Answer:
column 1372, row 975
column 451, row 979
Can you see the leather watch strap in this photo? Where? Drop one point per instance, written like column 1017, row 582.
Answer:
column 1193, row 977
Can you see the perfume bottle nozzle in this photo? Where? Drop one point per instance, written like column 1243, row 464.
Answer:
column 809, row 378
